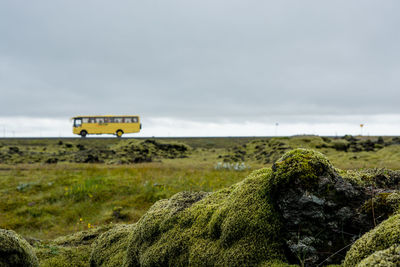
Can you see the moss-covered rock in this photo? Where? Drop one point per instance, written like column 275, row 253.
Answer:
column 148, row 150
column 378, row 178
column 302, row 165
column 381, row 206
column 51, row 255
column 340, row 144
column 381, row 237
column 15, row 251
column 233, row 226
column 384, row 258
column 316, row 206
column 110, row 247
column 70, row 250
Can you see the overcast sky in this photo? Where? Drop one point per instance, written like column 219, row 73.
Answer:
column 192, row 63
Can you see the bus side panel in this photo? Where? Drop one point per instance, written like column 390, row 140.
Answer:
column 91, row 128
column 107, row 128
column 76, row 130
column 125, row 127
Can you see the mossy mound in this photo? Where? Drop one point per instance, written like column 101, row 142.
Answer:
column 301, row 165
column 378, row 178
column 15, row 251
column 263, row 150
column 381, row 237
column 316, row 206
column 110, row 247
column 385, row 258
column 381, row 206
column 51, row 255
column 70, row 250
column 149, row 150
column 85, row 237
column 117, row 152
column 233, row 226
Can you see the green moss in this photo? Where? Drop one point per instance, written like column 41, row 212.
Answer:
column 51, row 255
column 381, row 206
column 381, row 237
column 389, row 258
column 83, row 237
column 70, row 250
column 110, row 247
column 393, row 200
column 340, row 144
column 300, row 164
column 15, row 251
column 276, row 263
column 233, row 226
column 382, row 178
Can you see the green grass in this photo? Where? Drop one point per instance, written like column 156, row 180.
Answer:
column 45, row 201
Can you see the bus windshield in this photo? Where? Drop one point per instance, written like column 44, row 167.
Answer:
column 77, row 122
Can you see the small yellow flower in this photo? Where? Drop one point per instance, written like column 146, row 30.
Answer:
column 80, row 219
column 89, row 225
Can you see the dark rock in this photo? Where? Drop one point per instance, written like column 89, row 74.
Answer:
column 396, row 140
column 80, row 147
column 317, row 206
column 14, row 150
column 51, row 161
column 380, row 140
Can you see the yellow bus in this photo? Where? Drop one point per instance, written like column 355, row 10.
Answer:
column 118, row 125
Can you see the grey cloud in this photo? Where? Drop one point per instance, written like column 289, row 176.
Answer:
column 199, row 59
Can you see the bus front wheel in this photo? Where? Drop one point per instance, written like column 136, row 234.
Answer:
column 119, row 133
column 83, row 134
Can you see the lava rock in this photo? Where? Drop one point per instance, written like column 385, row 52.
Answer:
column 15, row 251
column 317, row 205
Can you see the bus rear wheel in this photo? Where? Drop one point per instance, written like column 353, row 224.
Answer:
column 119, row 133
column 83, row 134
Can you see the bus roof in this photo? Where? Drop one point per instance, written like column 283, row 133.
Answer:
column 102, row 116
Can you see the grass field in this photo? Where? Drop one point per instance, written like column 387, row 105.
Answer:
column 44, row 198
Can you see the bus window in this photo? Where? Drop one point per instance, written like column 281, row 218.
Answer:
column 135, row 119
column 128, row 120
column 77, row 122
column 100, row 120
column 85, row 120
column 118, row 120
column 106, row 120
column 91, row 120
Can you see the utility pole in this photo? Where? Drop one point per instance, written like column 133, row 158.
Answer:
column 276, row 128
column 361, row 127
